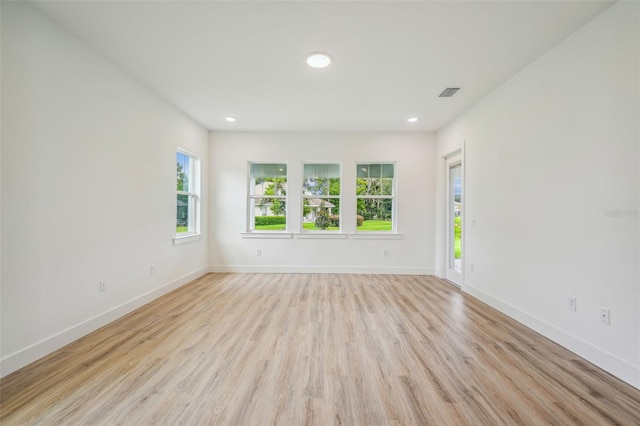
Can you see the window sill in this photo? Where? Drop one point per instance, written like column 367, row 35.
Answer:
column 321, row 235
column 365, row 235
column 272, row 235
column 186, row 239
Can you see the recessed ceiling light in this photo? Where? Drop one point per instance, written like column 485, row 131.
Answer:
column 230, row 119
column 318, row 60
column 412, row 119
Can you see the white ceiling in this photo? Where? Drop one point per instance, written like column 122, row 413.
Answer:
column 391, row 59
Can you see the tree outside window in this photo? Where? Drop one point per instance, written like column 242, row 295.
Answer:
column 267, row 197
column 375, row 195
column 187, row 193
column 321, row 197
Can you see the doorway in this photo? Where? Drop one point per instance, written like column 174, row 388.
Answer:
column 455, row 213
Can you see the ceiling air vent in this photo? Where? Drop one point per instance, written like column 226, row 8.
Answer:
column 448, row 92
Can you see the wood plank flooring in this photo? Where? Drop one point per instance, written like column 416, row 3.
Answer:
column 315, row 349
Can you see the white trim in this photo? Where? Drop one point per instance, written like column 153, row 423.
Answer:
column 267, row 235
column 281, row 269
column 44, row 347
column 187, row 152
column 608, row 362
column 186, row 239
column 372, row 235
column 319, row 235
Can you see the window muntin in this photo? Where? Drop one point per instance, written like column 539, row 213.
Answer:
column 375, row 197
column 321, row 197
column 267, row 197
column 187, row 193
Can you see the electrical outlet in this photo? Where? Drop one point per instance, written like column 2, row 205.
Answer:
column 103, row 285
column 386, row 253
column 472, row 267
column 152, row 269
column 572, row 303
column 259, row 252
column 605, row 317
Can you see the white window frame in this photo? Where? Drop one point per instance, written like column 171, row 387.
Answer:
column 193, row 223
column 252, row 197
column 311, row 196
column 392, row 197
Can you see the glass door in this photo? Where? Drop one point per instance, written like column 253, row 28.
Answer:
column 455, row 214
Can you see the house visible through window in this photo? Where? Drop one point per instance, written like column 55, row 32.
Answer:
column 321, row 197
column 267, row 197
column 188, row 188
column 375, row 195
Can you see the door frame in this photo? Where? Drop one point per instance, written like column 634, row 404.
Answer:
column 454, row 157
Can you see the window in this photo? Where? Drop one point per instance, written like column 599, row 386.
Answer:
column 188, row 193
column 375, row 195
column 321, row 197
column 267, row 197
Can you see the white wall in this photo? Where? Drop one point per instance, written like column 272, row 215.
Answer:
column 548, row 154
column 415, row 174
column 88, row 189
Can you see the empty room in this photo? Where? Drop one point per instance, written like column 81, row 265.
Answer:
column 320, row 212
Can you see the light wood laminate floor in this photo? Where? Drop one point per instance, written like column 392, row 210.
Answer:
column 315, row 349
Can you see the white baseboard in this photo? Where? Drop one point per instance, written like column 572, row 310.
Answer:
column 270, row 269
column 32, row 353
column 613, row 365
